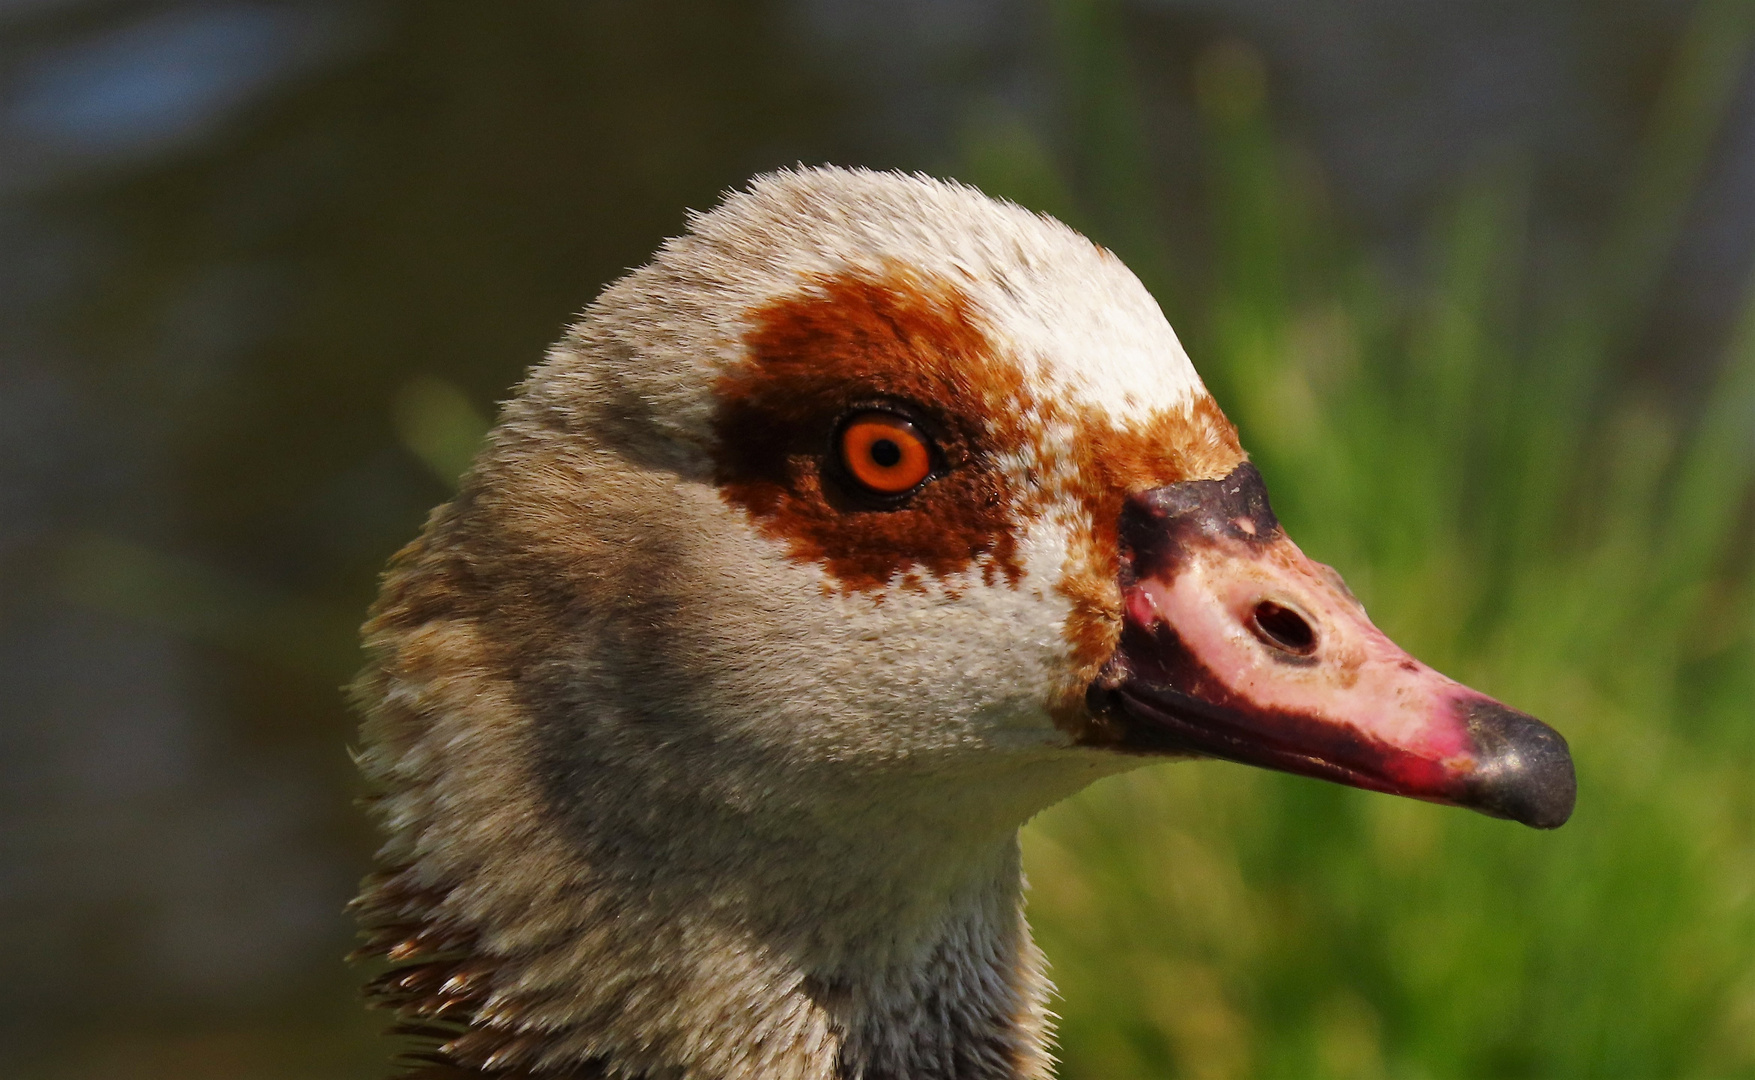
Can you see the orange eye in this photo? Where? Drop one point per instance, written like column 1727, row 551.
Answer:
column 885, row 453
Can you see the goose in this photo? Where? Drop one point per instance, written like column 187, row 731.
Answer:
column 867, row 520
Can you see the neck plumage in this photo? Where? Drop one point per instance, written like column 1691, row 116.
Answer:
column 651, row 978
column 548, row 909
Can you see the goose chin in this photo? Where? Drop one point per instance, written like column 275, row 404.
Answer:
column 1234, row 645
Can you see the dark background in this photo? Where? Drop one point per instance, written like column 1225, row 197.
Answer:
column 246, row 247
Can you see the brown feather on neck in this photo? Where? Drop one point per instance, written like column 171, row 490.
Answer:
column 506, row 887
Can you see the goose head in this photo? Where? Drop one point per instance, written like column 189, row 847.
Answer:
column 867, row 520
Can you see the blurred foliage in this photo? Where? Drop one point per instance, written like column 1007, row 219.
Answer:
column 1465, row 448
column 1463, row 442
column 282, row 341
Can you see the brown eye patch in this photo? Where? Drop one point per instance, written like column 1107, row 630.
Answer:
column 847, row 339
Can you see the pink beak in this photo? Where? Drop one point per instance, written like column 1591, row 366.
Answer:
column 1235, row 645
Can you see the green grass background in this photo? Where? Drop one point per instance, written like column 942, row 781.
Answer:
column 1463, row 444
column 1460, row 437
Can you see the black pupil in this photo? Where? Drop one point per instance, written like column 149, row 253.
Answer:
column 886, row 453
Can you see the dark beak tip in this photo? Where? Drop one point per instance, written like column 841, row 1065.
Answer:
column 1526, row 771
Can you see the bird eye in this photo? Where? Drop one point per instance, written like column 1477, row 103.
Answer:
column 884, row 453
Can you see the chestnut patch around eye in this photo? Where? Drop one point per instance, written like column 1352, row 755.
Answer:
column 823, row 360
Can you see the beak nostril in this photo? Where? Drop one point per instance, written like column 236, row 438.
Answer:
column 1282, row 628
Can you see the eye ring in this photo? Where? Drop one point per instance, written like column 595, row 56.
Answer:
column 884, row 453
